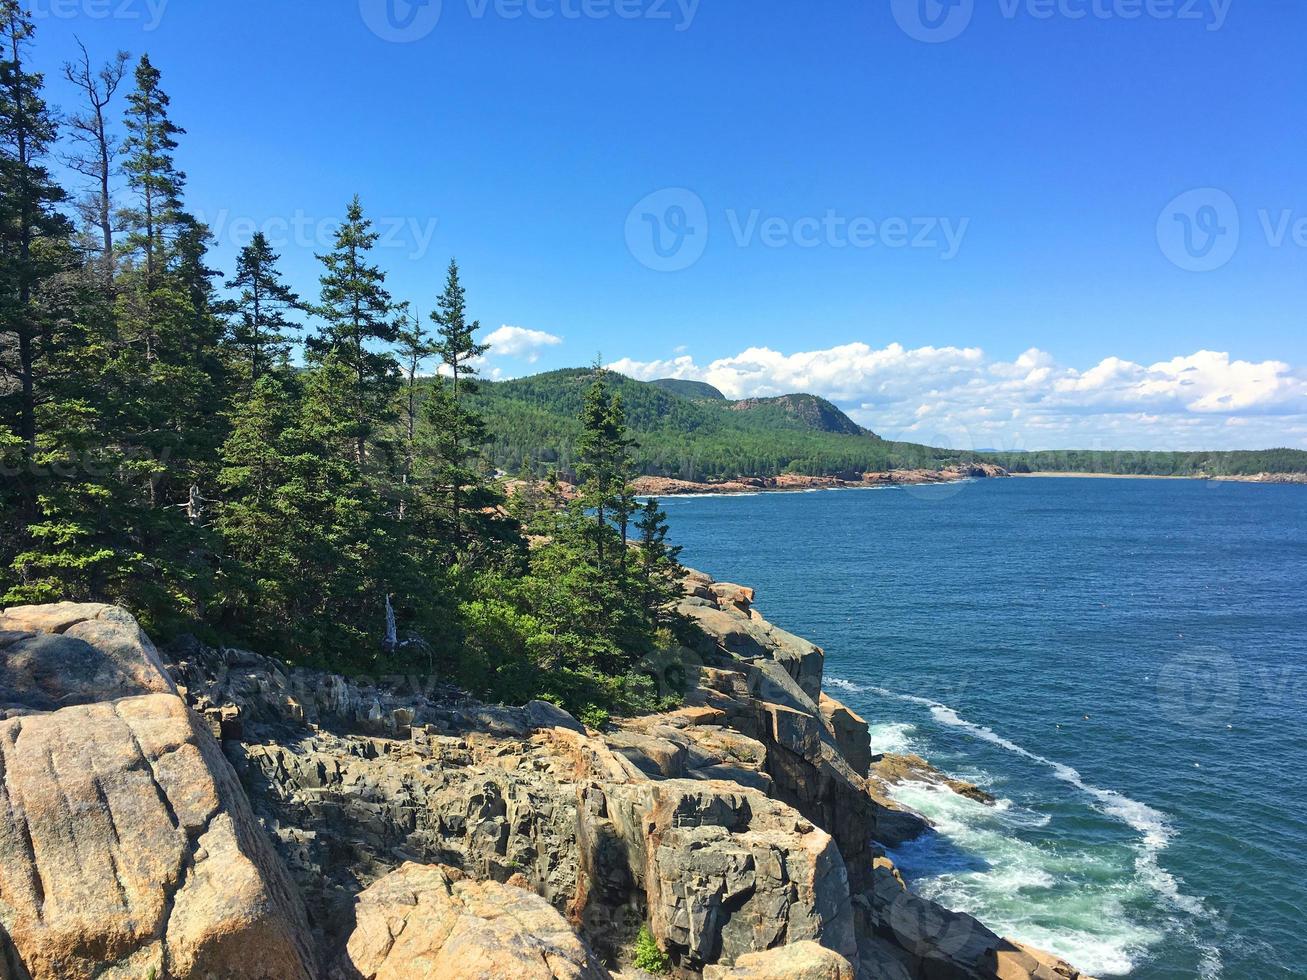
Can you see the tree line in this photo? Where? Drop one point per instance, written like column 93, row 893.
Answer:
column 226, row 457
column 692, row 438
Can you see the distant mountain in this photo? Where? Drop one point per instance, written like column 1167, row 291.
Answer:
column 815, row 413
column 689, row 389
column 689, row 431
column 684, row 430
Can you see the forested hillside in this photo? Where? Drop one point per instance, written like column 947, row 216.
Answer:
column 1198, row 464
column 532, row 422
column 684, row 434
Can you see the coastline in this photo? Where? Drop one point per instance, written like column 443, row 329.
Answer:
column 1278, row 479
column 1070, row 475
column 655, row 486
column 757, row 800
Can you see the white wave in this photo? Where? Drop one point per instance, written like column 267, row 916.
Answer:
column 1096, row 953
column 891, row 738
column 1152, row 824
column 840, row 684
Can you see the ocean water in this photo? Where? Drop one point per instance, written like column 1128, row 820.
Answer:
column 1122, row 662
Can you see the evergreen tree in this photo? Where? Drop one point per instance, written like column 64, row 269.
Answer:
column 604, row 467
column 415, row 349
column 456, row 432
column 33, row 243
column 164, row 376
column 659, row 567
column 262, row 333
column 157, row 217
column 358, row 313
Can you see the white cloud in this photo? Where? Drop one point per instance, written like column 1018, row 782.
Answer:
column 509, row 341
column 962, row 397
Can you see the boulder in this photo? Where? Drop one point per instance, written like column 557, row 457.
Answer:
column 69, row 653
column 892, row 768
column 798, row 961
column 542, row 714
column 126, row 843
column 422, row 921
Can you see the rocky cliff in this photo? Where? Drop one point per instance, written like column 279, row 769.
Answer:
column 211, row 813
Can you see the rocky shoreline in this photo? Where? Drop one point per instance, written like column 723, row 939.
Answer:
column 212, row 813
column 1277, row 478
column 657, row 486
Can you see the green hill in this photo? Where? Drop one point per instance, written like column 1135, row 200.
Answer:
column 686, row 433
column 689, row 437
column 690, row 389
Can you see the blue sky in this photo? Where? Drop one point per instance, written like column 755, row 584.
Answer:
column 974, row 235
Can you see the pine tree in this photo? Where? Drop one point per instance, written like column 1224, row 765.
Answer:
column 158, row 216
column 604, row 467
column 415, row 349
column 33, row 240
column 262, row 333
column 163, row 375
column 358, row 313
column 659, row 567
column 455, row 432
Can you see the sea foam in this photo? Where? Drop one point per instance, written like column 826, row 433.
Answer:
column 1100, row 936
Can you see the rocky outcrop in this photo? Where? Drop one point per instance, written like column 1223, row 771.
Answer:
column 1278, row 478
column 421, row 922
column 426, row 834
column 127, row 848
column 726, row 871
column 903, row 936
column 914, row 769
column 852, row 734
column 657, row 486
column 74, row 653
column 798, row 961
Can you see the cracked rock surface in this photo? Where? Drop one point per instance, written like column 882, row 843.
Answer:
column 424, row 834
column 126, row 844
column 421, row 921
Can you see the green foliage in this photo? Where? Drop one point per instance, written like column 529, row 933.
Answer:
column 687, row 436
column 1195, row 464
column 357, row 313
column 648, row 956
column 261, row 334
column 689, row 389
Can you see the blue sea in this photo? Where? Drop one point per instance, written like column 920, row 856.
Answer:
column 1122, row 662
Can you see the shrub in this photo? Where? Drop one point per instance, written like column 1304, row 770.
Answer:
column 648, row 956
